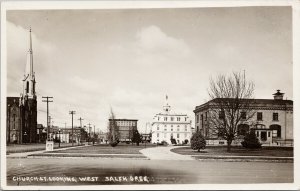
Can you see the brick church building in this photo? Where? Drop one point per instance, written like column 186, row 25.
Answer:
column 21, row 122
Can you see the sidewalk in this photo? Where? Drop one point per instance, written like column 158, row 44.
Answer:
column 164, row 153
column 26, row 154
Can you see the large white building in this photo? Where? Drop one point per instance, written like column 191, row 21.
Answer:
column 167, row 125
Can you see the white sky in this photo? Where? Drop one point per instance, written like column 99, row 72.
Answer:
column 91, row 60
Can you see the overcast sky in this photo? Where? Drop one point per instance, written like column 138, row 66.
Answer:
column 91, row 60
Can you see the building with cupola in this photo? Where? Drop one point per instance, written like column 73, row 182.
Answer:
column 21, row 124
column 168, row 125
column 272, row 121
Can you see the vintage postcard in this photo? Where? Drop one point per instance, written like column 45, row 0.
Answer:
column 165, row 95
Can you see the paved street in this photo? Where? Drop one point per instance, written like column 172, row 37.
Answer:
column 108, row 171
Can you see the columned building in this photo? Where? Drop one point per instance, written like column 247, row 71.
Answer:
column 167, row 125
column 22, row 111
column 272, row 121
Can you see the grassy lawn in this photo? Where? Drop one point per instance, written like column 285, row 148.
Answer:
column 15, row 148
column 237, row 151
column 107, row 149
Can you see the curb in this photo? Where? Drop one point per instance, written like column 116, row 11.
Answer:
column 243, row 159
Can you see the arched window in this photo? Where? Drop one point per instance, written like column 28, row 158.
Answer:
column 27, row 87
column 242, row 129
column 276, row 130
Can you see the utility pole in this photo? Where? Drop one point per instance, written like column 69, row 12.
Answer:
column 80, row 119
column 89, row 129
column 72, row 113
column 94, row 130
column 47, row 99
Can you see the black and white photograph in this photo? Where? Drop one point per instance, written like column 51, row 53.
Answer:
column 148, row 95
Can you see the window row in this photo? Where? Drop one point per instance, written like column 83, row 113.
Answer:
column 126, row 123
column 172, row 128
column 172, row 135
column 172, row 118
column 243, row 115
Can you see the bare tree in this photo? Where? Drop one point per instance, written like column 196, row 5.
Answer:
column 231, row 105
column 113, row 129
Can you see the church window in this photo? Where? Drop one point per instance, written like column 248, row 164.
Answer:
column 157, row 134
column 172, row 118
column 27, row 87
column 14, row 121
column 178, row 135
column 185, row 127
column 157, row 118
column 166, row 118
column 178, row 118
column 197, row 118
column 157, row 127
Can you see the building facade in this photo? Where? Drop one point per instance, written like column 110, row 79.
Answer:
column 22, row 111
column 167, row 126
column 125, row 128
column 272, row 121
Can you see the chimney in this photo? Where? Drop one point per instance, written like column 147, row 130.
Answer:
column 278, row 95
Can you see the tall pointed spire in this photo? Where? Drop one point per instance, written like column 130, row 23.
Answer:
column 30, row 52
column 29, row 77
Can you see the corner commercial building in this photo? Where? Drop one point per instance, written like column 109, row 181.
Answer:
column 272, row 121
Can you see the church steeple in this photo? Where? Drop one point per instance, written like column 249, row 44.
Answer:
column 29, row 76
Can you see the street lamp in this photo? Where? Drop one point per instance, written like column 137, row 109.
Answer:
column 59, row 138
column 25, row 134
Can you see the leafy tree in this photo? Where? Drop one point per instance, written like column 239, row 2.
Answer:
column 230, row 105
column 198, row 141
column 251, row 141
column 113, row 130
column 136, row 138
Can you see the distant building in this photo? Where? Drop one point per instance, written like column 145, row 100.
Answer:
column 65, row 134
column 272, row 122
column 146, row 137
column 22, row 111
column 41, row 133
column 167, row 126
column 125, row 128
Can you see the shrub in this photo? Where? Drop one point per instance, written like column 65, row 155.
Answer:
column 163, row 143
column 251, row 141
column 113, row 144
column 198, row 141
column 173, row 141
column 186, row 141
